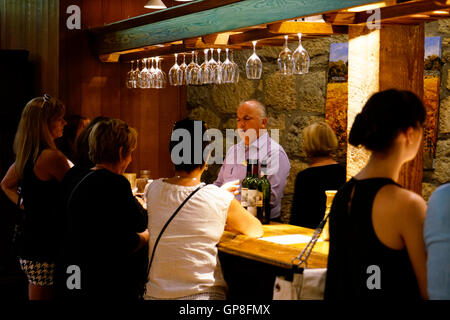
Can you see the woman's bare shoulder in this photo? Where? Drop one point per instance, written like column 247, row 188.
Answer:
column 402, row 201
column 52, row 154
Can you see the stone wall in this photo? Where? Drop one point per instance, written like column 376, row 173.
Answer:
column 294, row 102
column 440, row 173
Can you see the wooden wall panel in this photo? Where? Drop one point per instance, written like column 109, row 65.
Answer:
column 33, row 25
column 402, row 50
column 92, row 88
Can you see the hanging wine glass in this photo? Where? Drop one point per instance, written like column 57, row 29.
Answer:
column 130, row 80
column 160, row 75
column 254, row 65
column 300, row 58
column 285, row 62
column 227, row 69
column 214, row 69
column 152, row 73
column 194, row 72
column 144, row 79
column 175, row 74
column 237, row 71
column 206, row 70
column 219, row 75
column 183, row 69
column 136, row 73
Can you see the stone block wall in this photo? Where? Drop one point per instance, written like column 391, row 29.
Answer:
column 294, row 102
column 440, row 173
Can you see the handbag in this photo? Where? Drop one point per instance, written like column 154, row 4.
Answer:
column 164, row 228
column 302, row 283
column 17, row 238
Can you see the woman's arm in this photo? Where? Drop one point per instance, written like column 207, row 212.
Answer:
column 143, row 240
column 412, row 234
column 241, row 221
column 10, row 183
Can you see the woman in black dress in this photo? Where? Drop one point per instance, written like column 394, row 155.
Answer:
column 39, row 168
column 324, row 173
column 376, row 226
column 105, row 226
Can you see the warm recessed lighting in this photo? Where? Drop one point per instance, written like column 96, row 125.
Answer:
column 368, row 7
column 155, row 4
column 440, row 12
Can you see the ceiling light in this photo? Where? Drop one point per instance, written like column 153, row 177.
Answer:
column 155, row 4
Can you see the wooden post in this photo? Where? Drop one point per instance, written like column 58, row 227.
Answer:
column 397, row 61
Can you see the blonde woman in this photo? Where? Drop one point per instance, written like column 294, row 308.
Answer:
column 105, row 227
column 324, row 173
column 40, row 167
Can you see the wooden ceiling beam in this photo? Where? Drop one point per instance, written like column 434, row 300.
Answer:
column 138, row 32
column 306, row 27
column 161, row 15
column 388, row 13
column 251, row 35
column 288, row 27
column 156, row 52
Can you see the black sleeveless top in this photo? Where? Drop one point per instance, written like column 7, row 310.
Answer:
column 354, row 248
column 42, row 203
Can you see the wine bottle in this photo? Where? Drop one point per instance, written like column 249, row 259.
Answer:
column 252, row 193
column 265, row 192
column 244, row 185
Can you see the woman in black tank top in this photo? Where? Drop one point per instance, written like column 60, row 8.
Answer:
column 376, row 244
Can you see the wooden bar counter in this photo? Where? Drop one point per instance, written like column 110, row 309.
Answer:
column 250, row 265
column 277, row 254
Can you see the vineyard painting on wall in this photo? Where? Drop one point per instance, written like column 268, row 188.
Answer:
column 337, row 96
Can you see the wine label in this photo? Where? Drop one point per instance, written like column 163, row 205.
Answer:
column 244, row 197
column 252, row 196
column 259, row 199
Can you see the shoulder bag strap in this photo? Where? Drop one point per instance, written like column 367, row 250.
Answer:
column 304, row 255
column 19, row 193
column 167, row 223
column 76, row 187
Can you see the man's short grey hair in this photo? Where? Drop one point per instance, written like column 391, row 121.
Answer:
column 260, row 105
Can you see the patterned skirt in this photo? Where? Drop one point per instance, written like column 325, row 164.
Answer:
column 38, row 273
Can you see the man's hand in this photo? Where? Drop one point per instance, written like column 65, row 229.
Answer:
column 232, row 187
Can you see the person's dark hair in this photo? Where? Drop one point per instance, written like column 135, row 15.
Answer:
column 384, row 116
column 81, row 154
column 66, row 144
column 195, row 129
